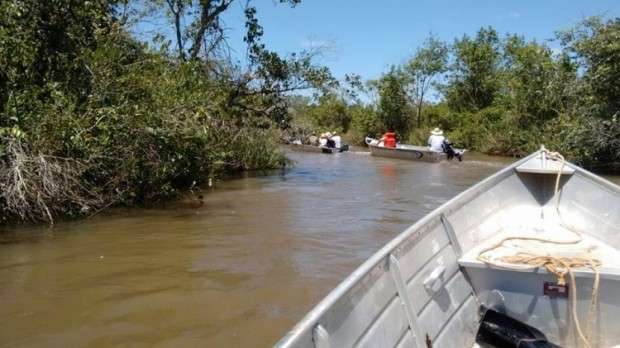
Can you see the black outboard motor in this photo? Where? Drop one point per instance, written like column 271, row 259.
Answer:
column 449, row 150
column 500, row 330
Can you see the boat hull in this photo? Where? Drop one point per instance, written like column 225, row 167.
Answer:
column 423, row 289
column 318, row 149
column 408, row 152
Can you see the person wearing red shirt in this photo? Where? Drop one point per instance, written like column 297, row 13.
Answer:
column 389, row 139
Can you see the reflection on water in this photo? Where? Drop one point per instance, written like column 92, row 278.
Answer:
column 239, row 270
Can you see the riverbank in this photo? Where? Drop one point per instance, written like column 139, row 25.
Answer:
column 494, row 93
column 92, row 117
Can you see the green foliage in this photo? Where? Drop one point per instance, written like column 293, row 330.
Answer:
column 595, row 45
column 41, row 43
column 529, row 71
column 364, row 122
column 474, row 74
column 502, row 95
column 508, row 96
column 393, row 108
column 427, row 64
column 595, row 108
column 91, row 117
column 330, row 113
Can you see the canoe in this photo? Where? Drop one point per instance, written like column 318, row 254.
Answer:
column 403, row 151
column 318, row 149
column 430, row 285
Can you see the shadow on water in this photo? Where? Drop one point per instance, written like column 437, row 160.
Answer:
column 238, row 269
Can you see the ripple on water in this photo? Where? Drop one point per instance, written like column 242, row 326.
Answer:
column 238, row 270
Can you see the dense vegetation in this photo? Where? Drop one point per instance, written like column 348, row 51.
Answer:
column 498, row 95
column 90, row 116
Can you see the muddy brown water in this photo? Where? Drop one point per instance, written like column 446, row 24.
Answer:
column 239, row 270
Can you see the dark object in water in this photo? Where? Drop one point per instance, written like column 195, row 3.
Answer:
column 500, row 330
column 327, row 149
column 450, row 152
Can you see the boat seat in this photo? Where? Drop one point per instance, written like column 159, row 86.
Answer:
column 541, row 164
column 609, row 256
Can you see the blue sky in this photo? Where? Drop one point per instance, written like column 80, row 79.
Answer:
column 366, row 37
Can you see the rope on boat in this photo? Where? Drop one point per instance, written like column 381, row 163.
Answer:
column 557, row 265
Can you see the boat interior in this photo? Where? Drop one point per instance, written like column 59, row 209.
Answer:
column 431, row 286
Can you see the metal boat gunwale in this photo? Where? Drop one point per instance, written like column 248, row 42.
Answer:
column 418, row 230
column 602, row 182
column 408, row 148
column 312, row 317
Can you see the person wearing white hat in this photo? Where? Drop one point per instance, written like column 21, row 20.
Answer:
column 435, row 141
column 323, row 139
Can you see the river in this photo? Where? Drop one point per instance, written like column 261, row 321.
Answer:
column 239, row 270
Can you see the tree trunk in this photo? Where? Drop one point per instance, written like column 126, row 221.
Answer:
column 209, row 13
column 420, row 102
column 176, row 7
column 177, row 24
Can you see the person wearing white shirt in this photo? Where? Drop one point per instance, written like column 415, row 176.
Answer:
column 337, row 140
column 435, row 141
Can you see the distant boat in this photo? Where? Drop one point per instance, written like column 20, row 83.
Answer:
column 319, row 149
column 409, row 152
column 438, row 284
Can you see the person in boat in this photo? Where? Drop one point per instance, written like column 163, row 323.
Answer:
column 388, row 139
column 438, row 143
column 330, row 142
column 337, row 140
column 436, row 140
column 323, row 139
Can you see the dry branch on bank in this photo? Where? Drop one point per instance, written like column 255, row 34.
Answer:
column 37, row 187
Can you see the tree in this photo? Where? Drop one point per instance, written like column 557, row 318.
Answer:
column 41, row 43
column 529, row 73
column 595, row 46
column 331, row 113
column 91, row 116
column 393, row 102
column 177, row 10
column 429, row 61
column 205, row 32
column 270, row 77
column 474, row 78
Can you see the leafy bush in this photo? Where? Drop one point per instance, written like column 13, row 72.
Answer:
column 114, row 122
column 364, row 122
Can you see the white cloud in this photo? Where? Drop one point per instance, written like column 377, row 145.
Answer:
column 313, row 43
column 512, row 15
